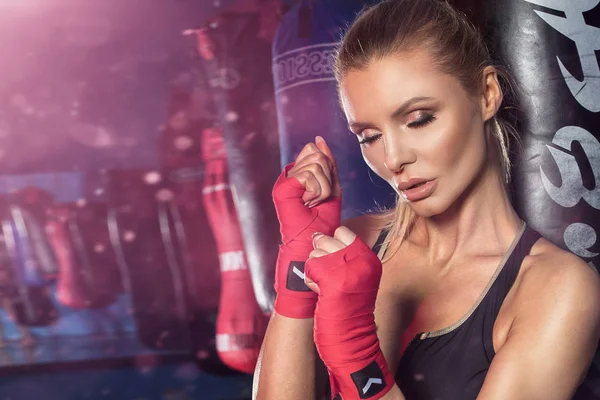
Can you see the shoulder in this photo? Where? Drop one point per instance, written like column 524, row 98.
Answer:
column 555, row 331
column 558, row 282
column 366, row 226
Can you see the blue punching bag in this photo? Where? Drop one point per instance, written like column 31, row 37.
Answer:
column 307, row 102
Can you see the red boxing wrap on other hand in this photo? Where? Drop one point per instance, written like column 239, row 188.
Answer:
column 298, row 223
column 344, row 331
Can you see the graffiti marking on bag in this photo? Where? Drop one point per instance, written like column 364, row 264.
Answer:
column 578, row 237
column 572, row 190
column 587, row 40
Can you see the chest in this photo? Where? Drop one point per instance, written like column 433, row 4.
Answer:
column 419, row 297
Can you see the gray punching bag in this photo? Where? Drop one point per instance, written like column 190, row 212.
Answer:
column 307, row 103
column 551, row 48
column 235, row 53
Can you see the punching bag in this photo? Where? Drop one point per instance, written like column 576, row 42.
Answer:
column 189, row 231
column 30, row 297
column 557, row 177
column 89, row 276
column 33, row 203
column 71, row 289
column 9, row 287
column 139, row 224
column 307, row 102
column 240, row 323
column 183, row 166
column 234, row 51
column 90, row 232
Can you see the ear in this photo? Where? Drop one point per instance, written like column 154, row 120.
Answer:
column 491, row 95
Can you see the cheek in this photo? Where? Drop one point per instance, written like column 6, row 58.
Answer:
column 459, row 148
column 374, row 157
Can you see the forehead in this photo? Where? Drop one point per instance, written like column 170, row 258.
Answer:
column 390, row 81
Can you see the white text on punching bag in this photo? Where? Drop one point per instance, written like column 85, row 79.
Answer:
column 233, row 261
column 235, row 342
column 579, row 237
column 587, row 40
column 304, row 65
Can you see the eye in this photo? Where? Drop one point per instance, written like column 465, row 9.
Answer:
column 369, row 139
column 422, row 121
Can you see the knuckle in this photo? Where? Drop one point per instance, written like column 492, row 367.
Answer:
column 326, row 191
column 304, row 175
column 323, row 160
column 320, row 156
column 311, row 147
column 340, row 231
column 314, row 167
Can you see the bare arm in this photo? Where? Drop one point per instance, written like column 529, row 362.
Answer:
column 288, row 366
column 553, row 337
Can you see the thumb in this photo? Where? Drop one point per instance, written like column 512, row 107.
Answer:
column 336, row 189
column 314, row 271
column 311, row 285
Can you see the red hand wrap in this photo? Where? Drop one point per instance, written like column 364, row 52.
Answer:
column 345, row 332
column 298, row 223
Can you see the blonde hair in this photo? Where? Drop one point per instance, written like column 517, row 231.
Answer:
column 395, row 26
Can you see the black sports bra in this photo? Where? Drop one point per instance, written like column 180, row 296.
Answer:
column 451, row 364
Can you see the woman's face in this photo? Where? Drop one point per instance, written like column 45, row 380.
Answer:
column 416, row 125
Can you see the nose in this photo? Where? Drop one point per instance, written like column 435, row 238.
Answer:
column 397, row 153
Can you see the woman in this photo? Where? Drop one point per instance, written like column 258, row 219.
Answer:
column 468, row 302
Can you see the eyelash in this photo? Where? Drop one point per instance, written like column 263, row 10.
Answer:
column 429, row 118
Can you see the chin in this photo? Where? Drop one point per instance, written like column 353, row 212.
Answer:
column 429, row 207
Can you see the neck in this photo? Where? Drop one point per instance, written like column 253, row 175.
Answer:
column 481, row 221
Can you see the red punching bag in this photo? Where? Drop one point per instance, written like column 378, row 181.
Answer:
column 71, row 288
column 240, row 323
column 89, row 275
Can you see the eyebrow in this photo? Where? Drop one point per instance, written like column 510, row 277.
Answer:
column 398, row 112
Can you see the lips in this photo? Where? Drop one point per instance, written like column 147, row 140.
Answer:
column 411, row 183
column 416, row 189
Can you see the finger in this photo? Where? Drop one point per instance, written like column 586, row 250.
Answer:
column 327, row 243
column 314, row 158
column 312, row 185
column 311, row 285
column 312, row 162
column 313, row 269
column 344, row 235
column 316, row 253
column 317, row 173
column 307, row 150
column 324, row 148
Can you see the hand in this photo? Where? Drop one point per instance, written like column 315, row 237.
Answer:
column 346, row 274
column 316, row 170
column 325, row 245
column 307, row 200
